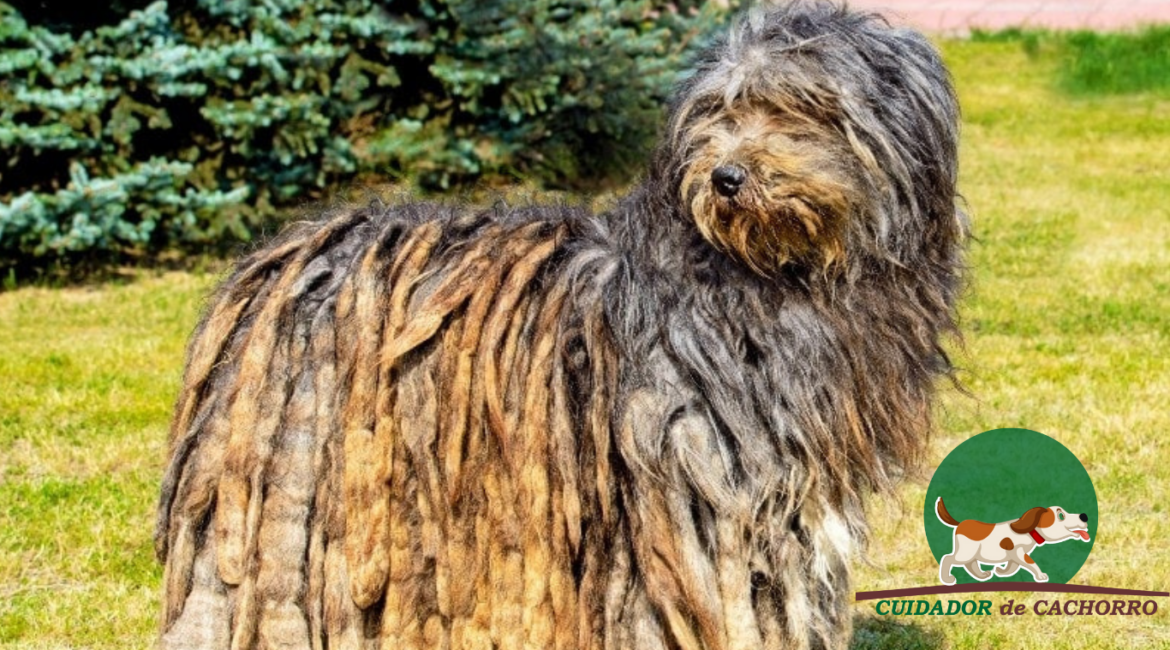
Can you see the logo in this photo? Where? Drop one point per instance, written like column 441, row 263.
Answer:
column 1011, row 510
column 976, row 545
column 989, row 513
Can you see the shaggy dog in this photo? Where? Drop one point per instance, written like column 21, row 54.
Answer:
column 437, row 426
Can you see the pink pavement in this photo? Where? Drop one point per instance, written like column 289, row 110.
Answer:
column 958, row 17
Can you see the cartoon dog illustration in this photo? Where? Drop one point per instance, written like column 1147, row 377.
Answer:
column 1007, row 543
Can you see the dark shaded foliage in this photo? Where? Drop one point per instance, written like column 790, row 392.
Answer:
column 190, row 125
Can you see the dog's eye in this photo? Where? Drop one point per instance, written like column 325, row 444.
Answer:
column 1060, row 515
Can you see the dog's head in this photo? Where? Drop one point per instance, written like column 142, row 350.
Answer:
column 1054, row 524
column 816, row 136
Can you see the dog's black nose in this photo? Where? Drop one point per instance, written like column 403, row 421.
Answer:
column 728, row 179
column 1084, row 517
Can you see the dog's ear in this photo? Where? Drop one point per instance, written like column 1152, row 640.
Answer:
column 1029, row 520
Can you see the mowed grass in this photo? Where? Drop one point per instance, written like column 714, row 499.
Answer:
column 89, row 376
column 1067, row 326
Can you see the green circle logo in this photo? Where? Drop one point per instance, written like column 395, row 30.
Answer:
column 1010, row 505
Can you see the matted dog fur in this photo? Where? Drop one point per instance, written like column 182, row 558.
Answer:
column 440, row 426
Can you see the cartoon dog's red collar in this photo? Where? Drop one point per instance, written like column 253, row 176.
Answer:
column 1035, row 536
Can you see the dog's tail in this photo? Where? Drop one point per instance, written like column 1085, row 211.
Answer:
column 943, row 515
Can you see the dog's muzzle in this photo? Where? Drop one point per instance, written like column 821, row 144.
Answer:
column 728, row 179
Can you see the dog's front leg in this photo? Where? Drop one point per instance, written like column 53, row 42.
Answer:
column 1030, row 565
column 1039, row 575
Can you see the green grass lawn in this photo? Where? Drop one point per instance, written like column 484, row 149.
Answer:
column 1067, row 326
column 1068, row 333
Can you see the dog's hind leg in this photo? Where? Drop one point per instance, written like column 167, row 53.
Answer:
column 944, row 569
column 1007, row 569
column 204, row 622
column 976, row 571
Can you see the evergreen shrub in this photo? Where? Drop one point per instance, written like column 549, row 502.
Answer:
column 191, row 124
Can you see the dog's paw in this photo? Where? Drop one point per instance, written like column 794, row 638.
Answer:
column 1043, row 577
column 948, row 580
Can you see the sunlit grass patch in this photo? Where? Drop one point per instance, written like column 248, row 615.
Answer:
column 1067, row 323
column 1094, row 63
column 89, row 375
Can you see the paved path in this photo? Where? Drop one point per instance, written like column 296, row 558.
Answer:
column 960, row 16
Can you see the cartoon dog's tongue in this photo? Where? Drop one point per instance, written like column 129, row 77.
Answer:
column 1083, row 533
